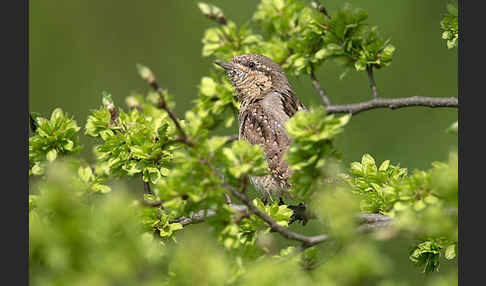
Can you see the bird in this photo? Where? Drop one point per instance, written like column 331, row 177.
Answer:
column 267, row 101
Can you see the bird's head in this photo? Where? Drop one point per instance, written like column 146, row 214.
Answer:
column 254, row 75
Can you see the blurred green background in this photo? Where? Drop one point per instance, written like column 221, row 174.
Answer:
column 79, row 48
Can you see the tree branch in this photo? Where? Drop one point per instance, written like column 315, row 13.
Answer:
column 318, row 87
column 307, row 241
column 374, row 90
column 232, row 138
column 213, row 13
column 202, row 215
column 393, row 103
column 147, row 75
column 320, row 7
column 33, row 123
column 146, row 188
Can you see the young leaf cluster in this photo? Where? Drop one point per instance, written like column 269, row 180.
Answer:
column 424, row 203
column 312, row 133
column 55, row 136
column 450, row 25
column 134, row 143
column 298, row 36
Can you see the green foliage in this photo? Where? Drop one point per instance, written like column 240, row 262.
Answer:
column 132, row 143
column 424, row 203
column 244, row 159
column 54, row 137
column 312, row 133
column 72, row 242
column 217, row 99
column 450, row 25
column 296, row 35
column 454, row 128
column 426, row 254
column 375, row 184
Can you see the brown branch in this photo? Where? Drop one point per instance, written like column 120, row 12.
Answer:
column 372, row 222
column 33, row 123
column 147, row 75
column 393, row 103
column 218, row 18
column 146, row 188
column 374, row 90
column 202, row 215
column 227, row 199
column 153, row 204
column 232, row 138
column 307, row 241
column 318, row 87
column 320, row 7
column 213, row 13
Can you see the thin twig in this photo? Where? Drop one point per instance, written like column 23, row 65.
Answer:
column 367, row 221
column 393, row 103
column 318, row 87
column 154, row 204
column 374, row 90
column 320, row 7
column 150, row 78
column 33, row 123
column 307, row 241
column 227, row 199
column 219, row 19
column 146, row 188
column 232, row 138
column 202, row 215
column 214, row 14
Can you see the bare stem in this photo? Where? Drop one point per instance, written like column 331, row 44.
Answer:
column 146, row 188
column 374, row 90
column 232, row 138
column 393, row 103
column 318, row 87
column 376, row 102
column 321, row 8
column 163, row 105
column 307, row 241
column 227, row 199
column 33, row 124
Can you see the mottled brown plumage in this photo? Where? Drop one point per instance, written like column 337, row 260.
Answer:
column 267, row 102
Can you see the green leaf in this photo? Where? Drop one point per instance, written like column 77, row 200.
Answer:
column 57, row 114
column 37, row 169
column 322, row 54
column 101, row 188
column 144, row 72
column 384, row 166
column 450, row 252
column 69, row 145
column 205, row 8
column 359, row 66
column 86, row 174
column 51, row 155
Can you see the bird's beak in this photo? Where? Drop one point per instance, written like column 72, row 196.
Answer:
column 225, row 65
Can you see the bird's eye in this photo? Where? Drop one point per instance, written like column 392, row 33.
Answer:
column 251, row 64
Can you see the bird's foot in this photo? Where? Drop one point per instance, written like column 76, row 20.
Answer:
column 265, row 200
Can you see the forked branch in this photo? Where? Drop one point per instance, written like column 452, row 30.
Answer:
column 148, row 76
column 376, row 102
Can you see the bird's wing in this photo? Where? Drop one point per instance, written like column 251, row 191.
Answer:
column 290, row 103
column 259, row 125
